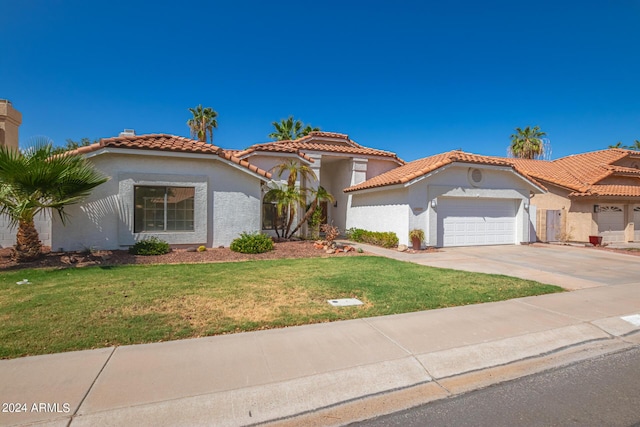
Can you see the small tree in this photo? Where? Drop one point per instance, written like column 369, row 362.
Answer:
column 36, row 180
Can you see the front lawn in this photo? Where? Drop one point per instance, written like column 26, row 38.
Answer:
column 83, row 308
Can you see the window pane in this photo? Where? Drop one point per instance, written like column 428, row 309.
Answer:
column 156, row 205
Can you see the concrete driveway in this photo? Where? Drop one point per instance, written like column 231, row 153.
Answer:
column 566, row 266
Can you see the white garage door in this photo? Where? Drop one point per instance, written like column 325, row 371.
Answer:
column 611, row 223
column 471, row 222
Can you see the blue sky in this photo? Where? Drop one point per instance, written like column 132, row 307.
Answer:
column 413, row 77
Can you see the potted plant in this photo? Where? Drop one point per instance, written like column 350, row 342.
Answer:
column 417, row 236
column 595, row 240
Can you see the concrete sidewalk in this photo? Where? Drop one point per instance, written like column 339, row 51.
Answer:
column 271, row 376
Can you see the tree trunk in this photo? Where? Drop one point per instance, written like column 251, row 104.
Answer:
column 28, row 246
column 312, row 209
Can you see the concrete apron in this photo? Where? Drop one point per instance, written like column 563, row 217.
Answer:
column 278, row 374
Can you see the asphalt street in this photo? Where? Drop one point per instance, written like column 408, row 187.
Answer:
column 604, row 391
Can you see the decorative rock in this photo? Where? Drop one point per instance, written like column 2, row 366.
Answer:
column 318, row 245
column 331, row 251
column 192, row 249
column 402, row 248
column 349, row 248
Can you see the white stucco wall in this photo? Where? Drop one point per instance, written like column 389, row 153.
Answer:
column 8, row 234
column 381, row 211
column 105, row 220
column 403, row 208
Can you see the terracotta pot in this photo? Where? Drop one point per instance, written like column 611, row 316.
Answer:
column 595, row 240
column 416, row 243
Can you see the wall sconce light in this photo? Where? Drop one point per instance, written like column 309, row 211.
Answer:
column 335, row 204
column 596, row 208
column 526, row 204
column 434, row 203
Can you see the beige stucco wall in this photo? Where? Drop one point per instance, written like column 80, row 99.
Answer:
column 10, row 120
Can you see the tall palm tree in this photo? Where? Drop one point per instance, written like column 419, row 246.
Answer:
column 203, row 123
column 36, row 180
column 290, row 129
column 635, row 145
column 617, row 145
column 527, row 143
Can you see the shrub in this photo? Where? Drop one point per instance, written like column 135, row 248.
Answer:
column 330, row 232
column 416, row 233
column 386, row 239
column 252, row 243
column 150, row 246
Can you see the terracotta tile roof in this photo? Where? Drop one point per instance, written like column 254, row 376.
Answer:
column 417, row 168
column 579, row 172
column 622, row 170
column 609, row 191
column 320, row 141
column 172, row 143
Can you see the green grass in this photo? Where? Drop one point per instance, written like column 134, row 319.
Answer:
column 83, row 308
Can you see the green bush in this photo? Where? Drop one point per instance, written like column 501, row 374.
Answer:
column 150, row 246
column 386, row 239
column 252, row 243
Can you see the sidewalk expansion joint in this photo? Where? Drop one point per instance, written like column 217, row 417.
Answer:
column 93, row 383
column 548, row 310
column 406, row 350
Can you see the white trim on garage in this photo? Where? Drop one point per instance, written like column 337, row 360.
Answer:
column 464, row 221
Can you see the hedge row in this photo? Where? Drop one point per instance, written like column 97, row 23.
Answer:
column 386, row 239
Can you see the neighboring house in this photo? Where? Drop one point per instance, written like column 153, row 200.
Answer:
column 337, row 161
column 456, row 198
column 183, row 191
column 589, row 194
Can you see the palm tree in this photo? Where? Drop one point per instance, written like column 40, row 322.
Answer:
column 36, row 180
column 320, row 195
column 203, row 122
column 617, row 145
column 635, row 146
column 287, row 200
column 527, row 143
column 290, row 129
column 288, row 197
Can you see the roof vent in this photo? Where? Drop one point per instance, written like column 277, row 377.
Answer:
column 128, row 132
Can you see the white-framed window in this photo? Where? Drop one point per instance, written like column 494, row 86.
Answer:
column 163, row 208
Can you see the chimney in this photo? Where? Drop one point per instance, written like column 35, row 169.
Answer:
column 128, row 132
column 10, row 120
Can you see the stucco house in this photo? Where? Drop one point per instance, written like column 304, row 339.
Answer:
column 183, row 191
column 337, row 161
column 191, row 193
column 588, row 194
column 456, row 198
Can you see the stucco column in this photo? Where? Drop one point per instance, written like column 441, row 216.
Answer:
column 628, row 220
column 315, row 167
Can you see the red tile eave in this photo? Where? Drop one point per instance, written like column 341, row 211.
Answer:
column 170, row 143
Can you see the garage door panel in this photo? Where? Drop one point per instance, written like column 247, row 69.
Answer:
column 472, row 222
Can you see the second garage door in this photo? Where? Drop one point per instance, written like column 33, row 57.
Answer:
column 472, row 222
